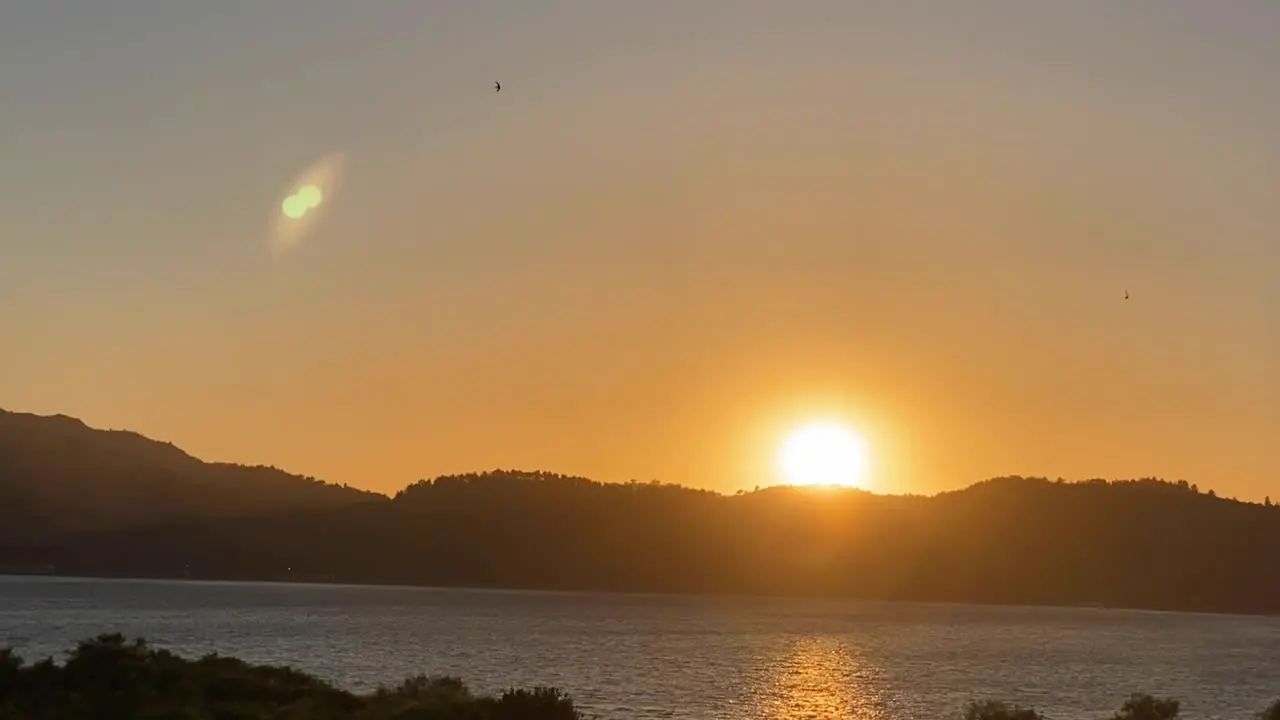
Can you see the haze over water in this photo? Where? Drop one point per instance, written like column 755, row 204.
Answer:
column 633, row 657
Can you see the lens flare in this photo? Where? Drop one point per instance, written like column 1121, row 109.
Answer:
column 296, row 215
column 293, row 207
column 307, row 198
column 310, row 195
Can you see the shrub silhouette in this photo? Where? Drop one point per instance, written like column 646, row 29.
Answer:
column 1148, row 707
column 110, row 678
column 541, row 702
column 1139, row 706
column 996, row 710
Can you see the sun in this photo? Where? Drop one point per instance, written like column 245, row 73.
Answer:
column 823, row 454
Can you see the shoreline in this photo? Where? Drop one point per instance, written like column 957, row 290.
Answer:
column 840, row 599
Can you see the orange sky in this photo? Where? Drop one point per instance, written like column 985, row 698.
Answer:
column 673, row 234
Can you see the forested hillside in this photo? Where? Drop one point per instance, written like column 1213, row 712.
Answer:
column 1144, row 543
column 58, row 475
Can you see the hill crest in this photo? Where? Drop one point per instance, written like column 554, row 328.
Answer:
column 1142, row 543
column 57, row 473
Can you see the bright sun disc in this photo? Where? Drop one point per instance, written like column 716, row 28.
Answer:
column 824, row 454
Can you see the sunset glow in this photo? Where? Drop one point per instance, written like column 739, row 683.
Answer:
column 825, row 455
column 656, row 260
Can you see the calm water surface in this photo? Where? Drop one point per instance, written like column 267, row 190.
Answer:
column 632, row 656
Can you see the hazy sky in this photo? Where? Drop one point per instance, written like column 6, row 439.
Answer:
column 682, row 226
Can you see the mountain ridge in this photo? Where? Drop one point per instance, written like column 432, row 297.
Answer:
column 1143, row 543
column 65, row 475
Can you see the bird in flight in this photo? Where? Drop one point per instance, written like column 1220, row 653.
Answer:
column 497, row 86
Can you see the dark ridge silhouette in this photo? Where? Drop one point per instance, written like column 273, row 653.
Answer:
column 59, row 475
column 1139, row 544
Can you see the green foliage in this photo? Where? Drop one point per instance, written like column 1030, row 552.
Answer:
column 109, row 678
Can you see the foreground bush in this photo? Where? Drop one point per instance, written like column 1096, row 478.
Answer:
column 1137, row 707
column 108, row 678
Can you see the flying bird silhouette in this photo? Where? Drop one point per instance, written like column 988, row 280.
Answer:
column 497, row 86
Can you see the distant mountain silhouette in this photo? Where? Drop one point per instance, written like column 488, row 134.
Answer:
column 159, row 513
column 59, row 475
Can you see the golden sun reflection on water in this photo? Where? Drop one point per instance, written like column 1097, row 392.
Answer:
column 821, row 679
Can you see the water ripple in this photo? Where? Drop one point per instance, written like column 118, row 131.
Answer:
column 635, row 657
